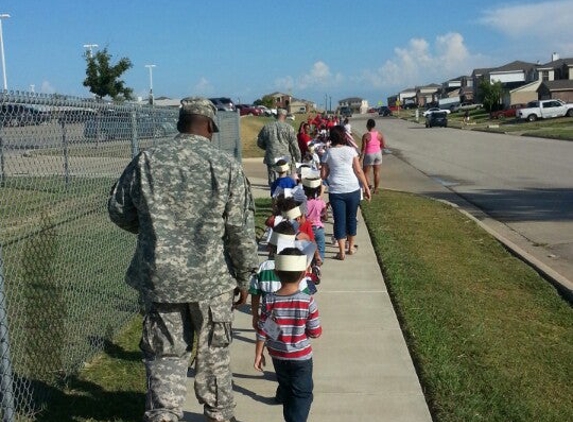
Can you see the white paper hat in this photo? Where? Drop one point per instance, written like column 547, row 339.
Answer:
column 290, row 263
column 312, row 183
column 277, row 238
column 292, row 213
column 281, row 169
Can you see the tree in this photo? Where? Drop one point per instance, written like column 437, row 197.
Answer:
column 103, row 78
column 490, row 94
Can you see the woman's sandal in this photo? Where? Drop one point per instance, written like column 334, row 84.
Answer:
column 351, row 251
column 340, row 256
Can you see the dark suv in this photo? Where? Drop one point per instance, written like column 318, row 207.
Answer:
column 437, row 118
column 384, row 111
column 345, row 111
column 223, row 104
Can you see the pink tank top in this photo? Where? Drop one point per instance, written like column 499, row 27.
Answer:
column 373, row 146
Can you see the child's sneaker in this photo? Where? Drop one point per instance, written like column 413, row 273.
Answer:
column 316, row 273
column 311, row 287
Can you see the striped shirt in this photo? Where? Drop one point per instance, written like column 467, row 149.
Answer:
column 297, row 317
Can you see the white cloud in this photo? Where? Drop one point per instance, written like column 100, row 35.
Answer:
column 319, row 76
column 421, row 62
column 547, row 24
column 47, row 88
column 203, row 87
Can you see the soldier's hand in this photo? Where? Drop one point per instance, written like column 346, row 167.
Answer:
column 242, row 294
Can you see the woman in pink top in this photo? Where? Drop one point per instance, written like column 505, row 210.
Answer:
column 371, row 153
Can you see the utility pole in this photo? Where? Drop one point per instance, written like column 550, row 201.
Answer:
column 150, row 67
column 2, row 17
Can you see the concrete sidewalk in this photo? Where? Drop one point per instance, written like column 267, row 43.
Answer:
column 362, row 368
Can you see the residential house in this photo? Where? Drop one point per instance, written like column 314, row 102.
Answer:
column 521, row 94
column 518, row 79
column 301, row 106
column 561, row 89
column 392, row 100
column 356, row 104
column 428, row 94
column 457, row 87
column 407, row 97
column 281, row 100
column 556, row 79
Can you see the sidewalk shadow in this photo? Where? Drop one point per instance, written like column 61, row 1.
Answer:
column 269, row 376
column 197, row 417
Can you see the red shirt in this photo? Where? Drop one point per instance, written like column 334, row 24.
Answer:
column 306, row 228
column 303, row 140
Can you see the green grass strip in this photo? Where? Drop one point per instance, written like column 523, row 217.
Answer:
column 492, row 340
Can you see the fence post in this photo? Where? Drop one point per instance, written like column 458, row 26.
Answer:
column 66, row 157
column 2, row 164
column 134, row 140
column 6, row 380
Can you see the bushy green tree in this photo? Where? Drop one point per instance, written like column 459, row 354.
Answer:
column 490, row 94
column 268, row 101
column 103, row 77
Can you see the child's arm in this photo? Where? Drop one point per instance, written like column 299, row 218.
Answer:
column 270, row 221
column 259, row 357
column 255, row 304
column 324, row 210
column 313, row 327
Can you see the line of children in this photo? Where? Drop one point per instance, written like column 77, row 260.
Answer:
column 288, row 319
column 285, row 317
column 265, row 280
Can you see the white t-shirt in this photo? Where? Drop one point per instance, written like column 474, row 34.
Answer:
column 341, row 178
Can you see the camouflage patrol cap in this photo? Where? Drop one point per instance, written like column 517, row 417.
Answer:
column 201, row 106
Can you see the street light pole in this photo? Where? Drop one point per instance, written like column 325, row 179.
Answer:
column 2, row 17
column 150, row 67
column 89, row 47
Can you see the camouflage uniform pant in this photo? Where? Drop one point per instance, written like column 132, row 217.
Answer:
column 166, row 343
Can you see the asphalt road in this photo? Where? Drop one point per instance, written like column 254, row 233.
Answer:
column 525, row 183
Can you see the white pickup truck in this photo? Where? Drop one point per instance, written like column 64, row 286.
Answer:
column 545, row 109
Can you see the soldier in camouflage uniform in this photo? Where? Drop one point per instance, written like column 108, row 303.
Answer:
column 191, row 207
column 278, row 139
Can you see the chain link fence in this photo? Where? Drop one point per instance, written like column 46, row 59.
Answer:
column 62, row 262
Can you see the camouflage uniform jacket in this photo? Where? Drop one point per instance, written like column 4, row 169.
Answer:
column 191, row 207
column 278, row 139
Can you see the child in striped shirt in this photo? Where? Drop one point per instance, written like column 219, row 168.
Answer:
column 288, row 319
column 265, row 280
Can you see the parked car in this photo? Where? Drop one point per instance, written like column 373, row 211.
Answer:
column 223, row 104
column 545, row 109
column 384, row 111
column 465, row 106
column 435, row 109
column 437, row 118
column 409, row 104
column 506, row 113
column 119, row 126
column 23, row 114
column 265, row 111
column 345, row 111
column 248, row 110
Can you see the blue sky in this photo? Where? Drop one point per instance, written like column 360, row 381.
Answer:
column 245, row 49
